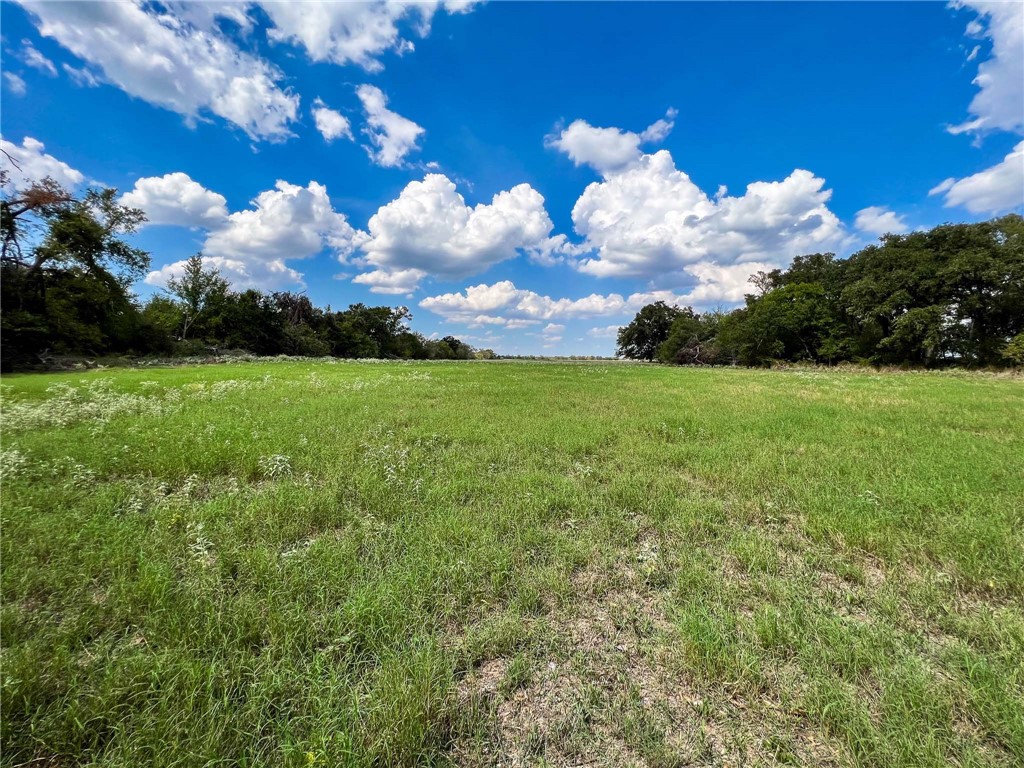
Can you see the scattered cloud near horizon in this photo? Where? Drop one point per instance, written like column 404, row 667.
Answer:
column 879, row 220
column 502, row 303
column 997, row 189
column 250, row 246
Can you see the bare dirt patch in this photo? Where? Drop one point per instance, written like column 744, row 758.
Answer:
column 603, row 689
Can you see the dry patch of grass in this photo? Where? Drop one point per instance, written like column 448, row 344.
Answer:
column 602, row 687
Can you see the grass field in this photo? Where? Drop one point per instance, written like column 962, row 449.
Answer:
column 385, row 564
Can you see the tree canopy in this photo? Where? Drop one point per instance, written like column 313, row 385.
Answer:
column 950, row 295
column 66, row 272
column 641, row 339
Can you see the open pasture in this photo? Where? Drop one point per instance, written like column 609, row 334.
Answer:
column 390, row 564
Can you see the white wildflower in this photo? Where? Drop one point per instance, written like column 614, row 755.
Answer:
column 12, row 463
column 276, row 466
column 200, row 547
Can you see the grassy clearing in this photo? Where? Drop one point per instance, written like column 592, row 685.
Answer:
column 352, row 564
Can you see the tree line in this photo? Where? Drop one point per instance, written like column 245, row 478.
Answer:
column 66, row 273
column 952, row 295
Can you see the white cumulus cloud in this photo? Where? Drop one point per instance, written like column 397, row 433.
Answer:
column 650, row 219
column 429, row 229
column 331, row 123
column 604, row 331
column 994, row 190
column 353, row 32
column 879, row 220
column 718, row 283
column 240, row 273
column 288, row 221
column 504, row 304
column 171, row 61
column 392, row 281
column 392, row 136
column 176, row 199
column 504, row 301
column 251, row 247
column 608, row 150
column 29, row 162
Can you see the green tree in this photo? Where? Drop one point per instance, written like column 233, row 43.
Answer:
column 922, row 335
column 792, row 322
column 88, row 233
column 693, row 340
column 650, row 329
column 410, row 346
column 24, row 212
column 348, row 337
column 381, row 324
column 163, row 313
column 460, row 350
column 1014, row 350
column 974, row 274
column 682, row 337
column 197, row 290
column 250, row 320
column 66, row 269
column 439, row 350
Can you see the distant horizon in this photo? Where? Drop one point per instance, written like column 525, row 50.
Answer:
column 524, row 177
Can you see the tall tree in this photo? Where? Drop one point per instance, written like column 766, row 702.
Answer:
column 66, row 270
column 198, row 289
column 24, row 212
column 89, row 233
column 969, row 275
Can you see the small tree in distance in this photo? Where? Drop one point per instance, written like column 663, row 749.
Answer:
column 197, row 289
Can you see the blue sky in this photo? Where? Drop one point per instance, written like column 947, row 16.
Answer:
column 522, row 175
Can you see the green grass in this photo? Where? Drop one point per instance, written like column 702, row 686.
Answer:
column 359, row 564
